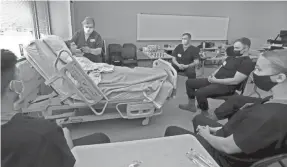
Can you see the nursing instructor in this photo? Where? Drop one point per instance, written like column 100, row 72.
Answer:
column 89, row 41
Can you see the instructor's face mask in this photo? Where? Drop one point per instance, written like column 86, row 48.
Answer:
column 88, row 28
column 264, row 82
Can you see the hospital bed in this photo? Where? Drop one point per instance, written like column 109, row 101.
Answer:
column 51, row 62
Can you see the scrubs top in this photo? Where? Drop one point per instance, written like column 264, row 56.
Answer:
column 94, row 41
column 259, row 131
column 185, row 57
column 233, row 64
column 28, row 142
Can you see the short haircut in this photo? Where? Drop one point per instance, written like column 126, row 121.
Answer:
column 245, row 41
column 8, row 62
column 278, row 58
column 88, row 20
column 187, row 34
column 230, row 51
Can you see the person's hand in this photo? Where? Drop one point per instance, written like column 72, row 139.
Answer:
column 213, row 130
column 211, row 79
column 246, row 106
column 181, row 66
column 185, row 66
column 86, row 49
column 204, row 131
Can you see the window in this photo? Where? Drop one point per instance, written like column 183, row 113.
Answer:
column 21, row 22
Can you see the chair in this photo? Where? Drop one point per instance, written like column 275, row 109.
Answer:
column 129, row 55
column 115, row 54
column 270, row 160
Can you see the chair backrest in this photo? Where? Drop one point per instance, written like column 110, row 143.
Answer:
column 115, row 52
column 129, row 51
column 130, row 45
column 241, row 87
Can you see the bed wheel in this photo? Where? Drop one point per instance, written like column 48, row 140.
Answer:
column 145, row 121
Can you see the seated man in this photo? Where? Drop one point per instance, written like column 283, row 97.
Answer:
column 27, row 141
column 224, row 81
column 186, row 57
column 252, row 133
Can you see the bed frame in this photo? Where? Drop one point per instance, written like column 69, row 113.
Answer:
column 65, row 110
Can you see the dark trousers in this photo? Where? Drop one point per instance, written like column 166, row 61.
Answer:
column 189, row 72
column 96, row 138
column 94, row 58
column 221, row 158
column 202, row 89
column 232, row 105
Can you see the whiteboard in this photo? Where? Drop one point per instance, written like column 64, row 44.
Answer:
column 171, row 27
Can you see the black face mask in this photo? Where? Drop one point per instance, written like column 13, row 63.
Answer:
column 237, row 53
column 264, row 82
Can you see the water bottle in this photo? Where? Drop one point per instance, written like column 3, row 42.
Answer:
column 198, row 159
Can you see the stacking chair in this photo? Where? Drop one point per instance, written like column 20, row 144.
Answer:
column 129, row 55
column 115, row 54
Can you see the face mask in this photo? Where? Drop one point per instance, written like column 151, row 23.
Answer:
column 88, row 30
column 237, row 53
column 264, row 82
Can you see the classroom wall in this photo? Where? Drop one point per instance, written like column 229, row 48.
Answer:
column 116, row 21
column 60, row 18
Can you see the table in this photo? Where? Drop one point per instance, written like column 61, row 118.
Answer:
column 146, row 61
column 157, row 152
column 169, row 50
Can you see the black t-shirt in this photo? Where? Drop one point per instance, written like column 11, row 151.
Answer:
column 233, row 64
column 31, row 142
column 259, row 131
column 185, row 57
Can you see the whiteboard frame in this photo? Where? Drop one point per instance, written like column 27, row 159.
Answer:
column 178, row 39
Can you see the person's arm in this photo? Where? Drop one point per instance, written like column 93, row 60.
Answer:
column 244, row 70
column 194, row 63
column 96, row 51
column 211, row 129
column 213, row 74
column 174, row 54
column 223, row 144
column 214, row 129
column 237, row 79
column 226, row 145
column 75, row 37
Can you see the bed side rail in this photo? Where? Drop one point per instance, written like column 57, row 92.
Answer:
column 84, row 87
column 172, row 73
